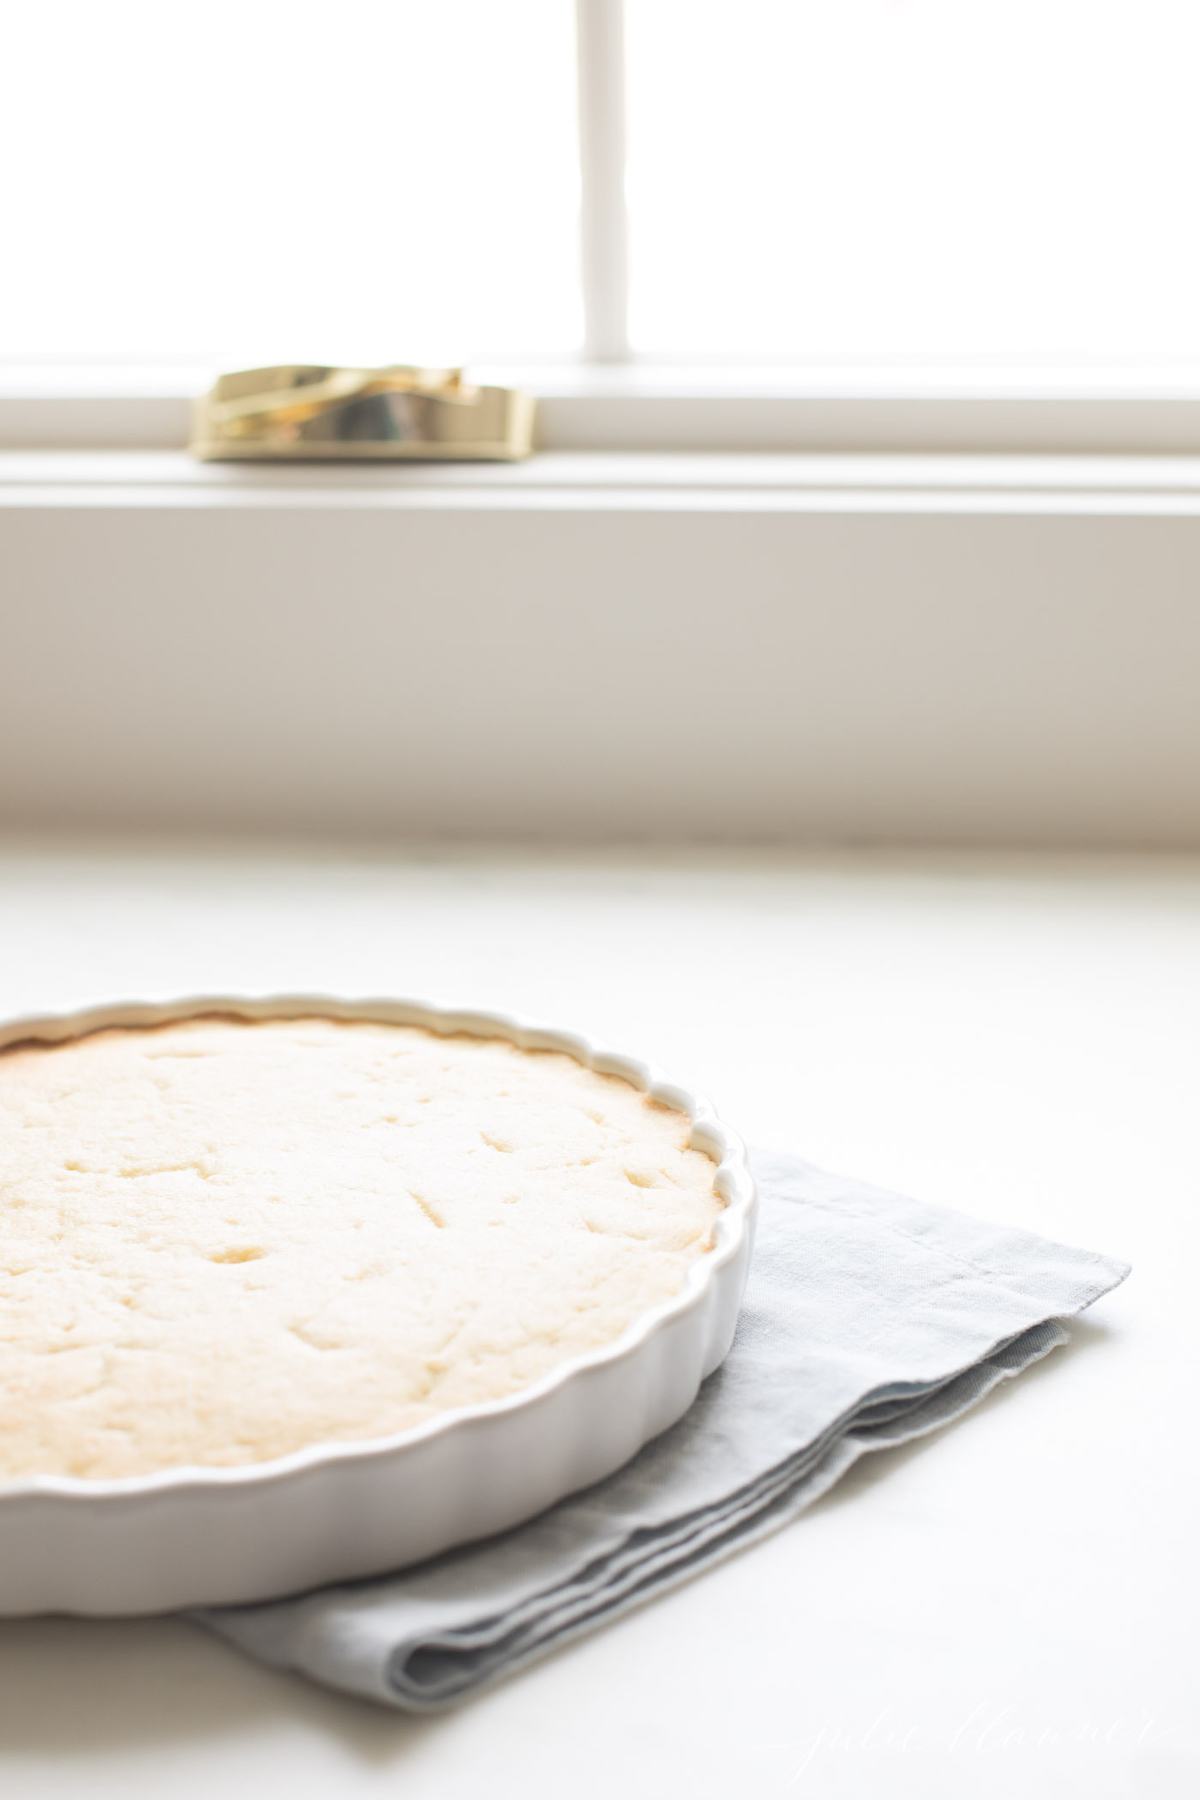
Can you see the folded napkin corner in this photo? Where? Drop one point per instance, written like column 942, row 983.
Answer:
column 869, row 1320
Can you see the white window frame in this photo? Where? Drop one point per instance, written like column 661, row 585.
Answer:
column 612, row 401
column 926, row 606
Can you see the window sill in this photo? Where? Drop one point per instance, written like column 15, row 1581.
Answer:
column 614, row 481
column 726, row 408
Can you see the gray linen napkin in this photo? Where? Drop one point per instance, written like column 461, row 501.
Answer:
column 869, row 1319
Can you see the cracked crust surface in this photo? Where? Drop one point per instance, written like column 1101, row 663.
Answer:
column 224, row 1241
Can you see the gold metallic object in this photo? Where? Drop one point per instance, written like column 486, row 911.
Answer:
column 306, row 412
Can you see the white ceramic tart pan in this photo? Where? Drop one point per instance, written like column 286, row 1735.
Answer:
column 190, row 1536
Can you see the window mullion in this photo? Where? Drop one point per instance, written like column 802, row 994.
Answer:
column 604, row 250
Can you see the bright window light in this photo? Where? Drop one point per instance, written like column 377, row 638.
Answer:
column 918, row 180
column 253, row 180
column 894, row 183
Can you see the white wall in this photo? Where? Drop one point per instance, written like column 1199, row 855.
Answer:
column 602, row 662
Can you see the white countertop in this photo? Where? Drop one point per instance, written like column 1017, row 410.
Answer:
column 1009, row 1608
